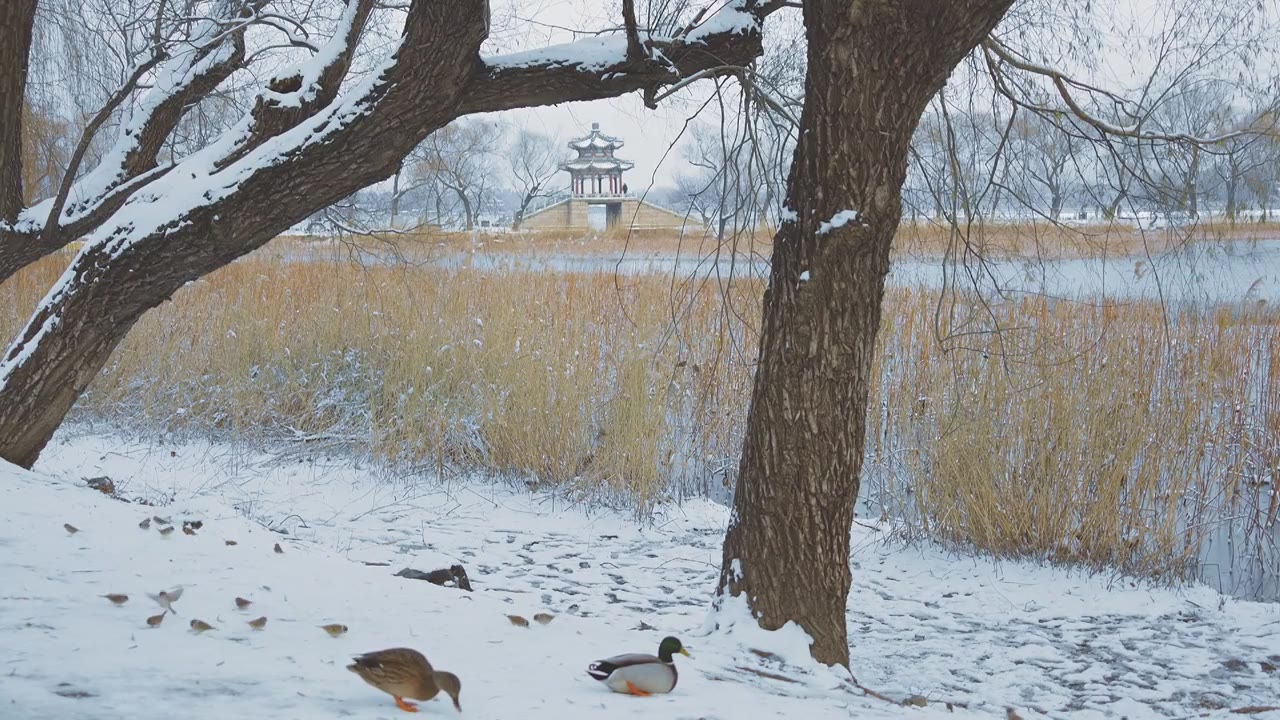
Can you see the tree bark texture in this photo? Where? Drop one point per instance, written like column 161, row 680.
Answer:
column 17, row 22
column 872, row 69
column 437, row 75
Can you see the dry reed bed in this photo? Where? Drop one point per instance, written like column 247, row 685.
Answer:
column 1086, row 436
column 915, row 239
column 1053, row 241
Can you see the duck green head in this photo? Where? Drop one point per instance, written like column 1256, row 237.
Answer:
column 669, row 647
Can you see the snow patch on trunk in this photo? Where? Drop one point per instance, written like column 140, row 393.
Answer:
column 839, row 220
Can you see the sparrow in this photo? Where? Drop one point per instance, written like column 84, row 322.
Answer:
column 334, row 629
column 155, row 620
column 200, row 626
column 279, row 550
column 186, row 530
column 166, row 599
column 518, row 621
column 259, row 623
column 71, row 529
column 162, row 521
column 166, row 531
column 544, row 618
column 117, row 598
column 1011, row 714
column 242, row 603
column 231, row 542
column 145, row 524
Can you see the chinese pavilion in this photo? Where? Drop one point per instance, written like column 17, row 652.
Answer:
column 596, row 184
column 596, row 172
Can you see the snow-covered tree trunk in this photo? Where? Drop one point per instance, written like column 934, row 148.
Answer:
column 872, row 69
column 303, row 147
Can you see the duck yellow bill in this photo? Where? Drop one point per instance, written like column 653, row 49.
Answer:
column 685, row 652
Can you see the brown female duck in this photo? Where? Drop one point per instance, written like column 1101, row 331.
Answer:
column 405, row 673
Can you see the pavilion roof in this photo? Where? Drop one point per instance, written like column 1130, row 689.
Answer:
column 598, row 164
column 596, row 140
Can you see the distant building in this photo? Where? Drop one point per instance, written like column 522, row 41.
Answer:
column 596, row 180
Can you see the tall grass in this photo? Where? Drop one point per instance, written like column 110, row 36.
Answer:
column 1108, row 435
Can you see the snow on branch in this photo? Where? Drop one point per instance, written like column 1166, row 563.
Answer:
column 182, row 79
column 605, row 65
column 300, row 91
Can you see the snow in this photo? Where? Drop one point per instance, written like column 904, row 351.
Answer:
column 600, row 164
column 922, row 621
column 596, row 140
column 839, row 220
column 588, row 55
column 804, row 276
column 733, row 18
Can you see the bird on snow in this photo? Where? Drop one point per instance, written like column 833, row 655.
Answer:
column 639, row 674
column 166, row 598
column 406, row 673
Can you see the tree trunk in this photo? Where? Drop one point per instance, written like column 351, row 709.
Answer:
column 395, row 195
column 525, row 202
column 1112, row 210
column 1233, row 179
column 17, row 21
column 466, row 210
column 1231, row 200
column 1193, row 193
column 872, row 69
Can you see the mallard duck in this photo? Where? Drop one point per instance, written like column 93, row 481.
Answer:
column 405, row 673
column 639, row 674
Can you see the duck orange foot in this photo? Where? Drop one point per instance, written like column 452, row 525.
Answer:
column 405, row 706
column 637, row 691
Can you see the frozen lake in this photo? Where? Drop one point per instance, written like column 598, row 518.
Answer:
column 1206, row 273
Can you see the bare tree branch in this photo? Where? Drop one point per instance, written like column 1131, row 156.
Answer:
column 1063, row 84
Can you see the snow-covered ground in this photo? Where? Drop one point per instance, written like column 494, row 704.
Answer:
column 979, row 634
